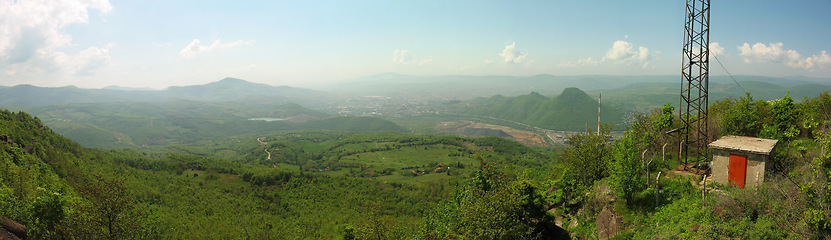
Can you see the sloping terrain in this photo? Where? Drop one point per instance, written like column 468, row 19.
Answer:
column 572, row 110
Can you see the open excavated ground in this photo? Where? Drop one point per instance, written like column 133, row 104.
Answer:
column 525, row 137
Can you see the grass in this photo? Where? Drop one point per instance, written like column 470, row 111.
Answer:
column 407, row 157
column 400, row 161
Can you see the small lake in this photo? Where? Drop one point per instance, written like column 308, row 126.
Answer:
column 267, row 119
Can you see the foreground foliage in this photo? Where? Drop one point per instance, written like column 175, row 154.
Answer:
column 61, row 190
column 331, row 185
column 492, row 206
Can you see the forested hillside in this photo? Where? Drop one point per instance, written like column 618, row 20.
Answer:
column 326, row 184
column 650, row 95
column 149, row 124
column 462, row 87
column 638, row 188
column 285, row 185
column 572, row 110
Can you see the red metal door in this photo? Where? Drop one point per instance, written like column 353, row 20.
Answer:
column 737, row 170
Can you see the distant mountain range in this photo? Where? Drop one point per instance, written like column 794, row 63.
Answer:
column 226, row 90
column 646, row 96
column 468, row 87
column 637, row 88
column 124, row 117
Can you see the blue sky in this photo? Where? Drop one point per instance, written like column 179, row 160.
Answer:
column 163, row 43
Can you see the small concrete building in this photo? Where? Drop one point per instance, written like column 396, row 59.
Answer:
column 741, row 161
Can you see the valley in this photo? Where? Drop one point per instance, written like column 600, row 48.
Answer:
column 417, row 120
column 355, row 165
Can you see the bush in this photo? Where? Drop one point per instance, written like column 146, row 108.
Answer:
column 626, row 169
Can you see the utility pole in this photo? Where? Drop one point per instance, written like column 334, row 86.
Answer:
column 598, row 113
column 695, row 81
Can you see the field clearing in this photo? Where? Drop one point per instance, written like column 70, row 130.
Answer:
column 524, row 137
column 422, row 159
column 406, row 157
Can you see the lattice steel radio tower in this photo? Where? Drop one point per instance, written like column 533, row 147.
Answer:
column 695, row 80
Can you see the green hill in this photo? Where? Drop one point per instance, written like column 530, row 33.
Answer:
column 571, row 110
column 449, row 86
column 354, row 124
column 233, row 89
column 143, row 124
column 136, row 124
column 645, row 96
column 320, row 184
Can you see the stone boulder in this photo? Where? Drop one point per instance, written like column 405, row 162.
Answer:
column 9, row 229
column 608, row 223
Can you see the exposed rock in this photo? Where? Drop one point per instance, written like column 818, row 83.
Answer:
column 608, row 223
column 28, row 149
column 6, row 235
column 16, row 230
column 573, row 223
column 559, row 221
column 551, row 189
column 603, row 193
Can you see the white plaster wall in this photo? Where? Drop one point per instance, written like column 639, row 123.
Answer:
column 719, row 169
column 755, row 167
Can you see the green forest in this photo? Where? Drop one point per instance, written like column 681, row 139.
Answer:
column 322, row 179
column 571, row 110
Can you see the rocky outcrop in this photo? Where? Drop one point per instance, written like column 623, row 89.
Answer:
column 608, row 223
column 9, row 229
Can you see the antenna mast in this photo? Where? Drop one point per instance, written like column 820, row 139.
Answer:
column 598, row 113
column 695, row 80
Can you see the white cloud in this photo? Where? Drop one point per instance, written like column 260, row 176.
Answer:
column 530, row 64
column 512, row 55
column 402, row 56
column 716, row 49
column 195, row 47
column 580, row 62
column 425, row 62
column 623, row 52
column 91, row 59
column 620, row 51
column 587, row 62
column 567, row 64
column 822, row 60
column 32, row 36
column 773, row 53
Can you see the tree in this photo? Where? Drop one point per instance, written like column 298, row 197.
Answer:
column 626, row 169
column 817, row 192
column 649, row 130
column 783, row 124
column 587, row 155
column 815, row 114
column 492, row 207
column 741, row 117
column 109, row 212
column 665, row 120
column 47, row 212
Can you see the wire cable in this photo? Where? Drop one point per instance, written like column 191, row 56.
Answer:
column 728, row 73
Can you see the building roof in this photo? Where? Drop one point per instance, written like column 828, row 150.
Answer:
column 746, row 144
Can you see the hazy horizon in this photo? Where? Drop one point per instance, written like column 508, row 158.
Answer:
column 317, row 85
column 157, row 44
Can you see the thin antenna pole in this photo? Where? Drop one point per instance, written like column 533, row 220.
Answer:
column 598, row 113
